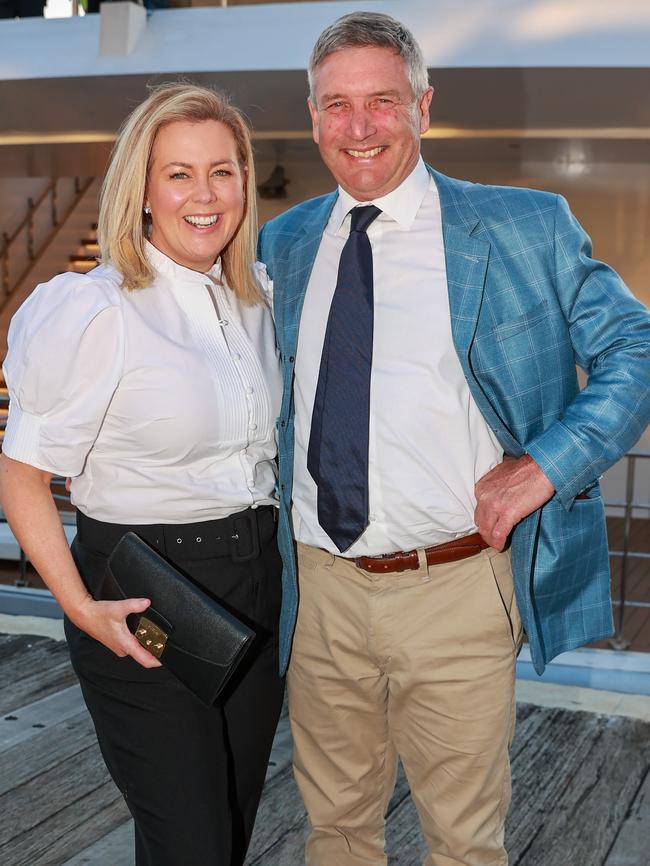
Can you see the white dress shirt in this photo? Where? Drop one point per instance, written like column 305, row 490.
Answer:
column 160, row 402
column 429, row 443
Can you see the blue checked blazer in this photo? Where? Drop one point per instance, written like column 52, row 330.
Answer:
column 527, row 303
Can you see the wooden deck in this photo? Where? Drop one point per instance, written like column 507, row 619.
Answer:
column 581, row 783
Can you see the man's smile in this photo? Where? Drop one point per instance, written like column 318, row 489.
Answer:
column 371, row 153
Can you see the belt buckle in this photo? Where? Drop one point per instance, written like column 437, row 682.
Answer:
column 237, row 525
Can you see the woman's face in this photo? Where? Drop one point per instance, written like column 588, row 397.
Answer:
column 195, row 190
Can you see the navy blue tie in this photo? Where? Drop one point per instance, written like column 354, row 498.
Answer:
column 337, row 457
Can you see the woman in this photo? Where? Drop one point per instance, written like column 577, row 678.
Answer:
column 153, row 383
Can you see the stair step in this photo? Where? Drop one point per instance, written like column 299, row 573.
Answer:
column 82, row 267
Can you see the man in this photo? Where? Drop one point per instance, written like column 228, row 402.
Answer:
column 432, row 424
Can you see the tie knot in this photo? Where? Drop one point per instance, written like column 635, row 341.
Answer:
column 361, row 217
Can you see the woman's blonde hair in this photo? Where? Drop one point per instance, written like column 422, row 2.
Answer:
column 123, row 226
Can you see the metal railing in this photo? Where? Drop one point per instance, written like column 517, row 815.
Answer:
column 21, row 249
column 629, row 506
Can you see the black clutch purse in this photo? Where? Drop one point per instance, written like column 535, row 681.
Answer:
column 194, row 637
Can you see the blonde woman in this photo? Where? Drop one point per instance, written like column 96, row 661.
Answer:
column 153, row 383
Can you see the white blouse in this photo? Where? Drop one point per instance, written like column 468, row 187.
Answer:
column 159, row 403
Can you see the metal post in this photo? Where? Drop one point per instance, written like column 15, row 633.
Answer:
column 618, row 641
column 30, row 229
column 75, row 11
column 22, row 580
column 5, row 264
column 55, row 218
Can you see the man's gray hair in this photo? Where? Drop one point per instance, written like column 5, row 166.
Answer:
column 374, row 30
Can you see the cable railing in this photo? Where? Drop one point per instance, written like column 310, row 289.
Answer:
column 621, row 602
column 21, row 249
column 629, row 506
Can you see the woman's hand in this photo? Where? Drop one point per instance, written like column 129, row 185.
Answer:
column 30, row 509
column 106, row 622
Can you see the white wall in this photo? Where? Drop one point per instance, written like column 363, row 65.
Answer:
column 471, row 33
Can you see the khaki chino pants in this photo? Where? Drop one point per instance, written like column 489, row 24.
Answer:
column 419, row 664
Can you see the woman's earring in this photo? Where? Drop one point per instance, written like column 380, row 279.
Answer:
column 147, row 210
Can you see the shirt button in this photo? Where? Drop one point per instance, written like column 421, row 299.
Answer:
column 250, row 390
column 236, row 357
column 243, row 451
column 252, row 426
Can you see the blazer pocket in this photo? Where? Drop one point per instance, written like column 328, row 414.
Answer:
column 526, row 320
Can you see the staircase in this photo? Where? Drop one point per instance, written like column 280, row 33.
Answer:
column 85, row 259
column 73, row 248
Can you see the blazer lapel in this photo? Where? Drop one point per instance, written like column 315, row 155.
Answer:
column 466, row 259
column 297, row 270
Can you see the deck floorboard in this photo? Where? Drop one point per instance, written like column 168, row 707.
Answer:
column 581, row 784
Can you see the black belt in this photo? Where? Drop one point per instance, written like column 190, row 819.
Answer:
column 238, row 536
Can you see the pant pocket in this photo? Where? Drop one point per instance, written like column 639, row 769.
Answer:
column 504, row 588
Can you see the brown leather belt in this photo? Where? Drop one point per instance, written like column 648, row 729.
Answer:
column 450, row 551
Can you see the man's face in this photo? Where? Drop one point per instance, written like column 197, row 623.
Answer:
column 366, row 121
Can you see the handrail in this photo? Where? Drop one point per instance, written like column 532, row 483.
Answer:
column 31, row 207
column 27, row 224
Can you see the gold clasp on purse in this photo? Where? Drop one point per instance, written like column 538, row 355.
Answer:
column 151, row 636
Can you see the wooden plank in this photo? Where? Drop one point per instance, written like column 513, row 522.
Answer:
column 114, row 849
column 573, row 788
column 56, row 838
column 632, row 843
column 32, row 758
column 282, row 750
column 60, row 793
column 24, row 808
column 28, row 722
column 404, row 840
column 30, row 669
column 282, row 826
column 13, row 646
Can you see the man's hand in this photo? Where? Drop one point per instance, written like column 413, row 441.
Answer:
column 507, row 494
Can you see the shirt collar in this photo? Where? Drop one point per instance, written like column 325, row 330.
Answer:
column 171, row 269
column 400, row 205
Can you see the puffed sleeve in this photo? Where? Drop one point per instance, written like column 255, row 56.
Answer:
column 65, row 359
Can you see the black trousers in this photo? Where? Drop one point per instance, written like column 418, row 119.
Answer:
column 191, row 776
